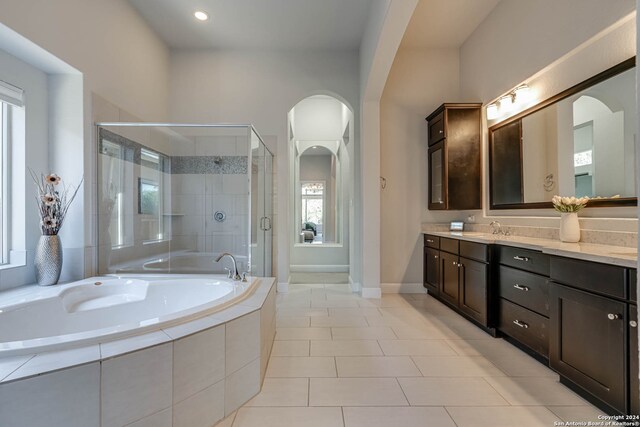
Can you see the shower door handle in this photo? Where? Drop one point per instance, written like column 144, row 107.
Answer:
column 268, row 221
column 262, row 223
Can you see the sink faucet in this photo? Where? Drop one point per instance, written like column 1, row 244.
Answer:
column 233, row 274
column 496, row 228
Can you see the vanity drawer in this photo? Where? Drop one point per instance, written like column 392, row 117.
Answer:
column 449, row 245
column 476, row 251
column 525, row 259
column 526, row 289
column 436, row 129
column 432, row 241
column 525, row 326
column 603, row 279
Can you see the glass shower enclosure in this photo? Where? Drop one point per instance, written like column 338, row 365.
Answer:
column 172, row 197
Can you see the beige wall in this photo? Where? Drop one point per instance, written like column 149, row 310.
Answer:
column 551, row 44
column 420, row 80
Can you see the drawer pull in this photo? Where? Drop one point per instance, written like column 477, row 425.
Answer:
column 430, row 241
column 633, row 323
column 521, row 324
column 522, row 288
column 521, row 258
column 439, row 131
column 459, row 265
column 612, row 316
column 435, row 256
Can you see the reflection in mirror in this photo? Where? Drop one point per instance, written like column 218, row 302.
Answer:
column 318, row 184
column 581, row 144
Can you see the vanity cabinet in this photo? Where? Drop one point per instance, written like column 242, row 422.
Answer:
column 523, row 303
column 457, row 273
column 589, row 321
column 455, row 171
column 634, row 395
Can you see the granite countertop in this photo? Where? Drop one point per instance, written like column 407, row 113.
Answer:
column 608, row 254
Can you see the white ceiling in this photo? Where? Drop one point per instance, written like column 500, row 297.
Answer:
column 258, row 24
column 445, row 23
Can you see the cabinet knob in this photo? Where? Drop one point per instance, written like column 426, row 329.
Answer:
column 521, row 324
column 522, row 288
column 612, row 316
column 455, row 263
column 435, row 256
column 521, row 258
column 633, row 323
column 440, row 131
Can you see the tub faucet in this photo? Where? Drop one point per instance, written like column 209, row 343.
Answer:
column 233, row 274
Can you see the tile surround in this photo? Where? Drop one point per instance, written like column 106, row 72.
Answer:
column 180, row 383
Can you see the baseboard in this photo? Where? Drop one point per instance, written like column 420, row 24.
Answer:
column 402, row 288
column 373, row 293
column 302, row 268
column 283, row 288
column 355, row 286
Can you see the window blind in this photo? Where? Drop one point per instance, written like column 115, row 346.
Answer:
column 11, row 94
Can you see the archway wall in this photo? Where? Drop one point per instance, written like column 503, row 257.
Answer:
column 261, row 88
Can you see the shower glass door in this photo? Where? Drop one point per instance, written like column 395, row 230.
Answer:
column 261, row 207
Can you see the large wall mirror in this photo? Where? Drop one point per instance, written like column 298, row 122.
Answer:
column 580, row 142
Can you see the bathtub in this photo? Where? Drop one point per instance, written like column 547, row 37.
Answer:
column 101, row 309
column 183, row 262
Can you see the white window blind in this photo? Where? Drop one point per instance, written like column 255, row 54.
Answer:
column 11, row 94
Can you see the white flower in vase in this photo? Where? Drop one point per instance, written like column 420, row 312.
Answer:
column 569, row 224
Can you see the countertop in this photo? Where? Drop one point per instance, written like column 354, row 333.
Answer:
column 607, row 254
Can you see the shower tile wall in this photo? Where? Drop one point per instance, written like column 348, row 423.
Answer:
column 212, row 178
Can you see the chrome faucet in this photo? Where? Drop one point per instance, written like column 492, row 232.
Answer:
column 496, row 228
column 233, row 274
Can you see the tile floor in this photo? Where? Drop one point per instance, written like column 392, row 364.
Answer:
column 344, row 361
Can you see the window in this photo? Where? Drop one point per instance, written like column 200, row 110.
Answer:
column 584, row 158
column 150, row 195
column 11, row 98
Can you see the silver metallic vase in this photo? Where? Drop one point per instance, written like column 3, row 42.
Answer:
column 48, row 260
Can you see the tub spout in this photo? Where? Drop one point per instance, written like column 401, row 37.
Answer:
column 233, row 273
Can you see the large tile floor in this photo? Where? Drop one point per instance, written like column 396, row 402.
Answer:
column 405, row 360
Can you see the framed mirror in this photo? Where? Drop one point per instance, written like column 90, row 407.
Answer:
column 580, row 142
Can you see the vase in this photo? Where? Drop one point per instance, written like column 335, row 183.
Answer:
column 48, row 260
column 569, row 227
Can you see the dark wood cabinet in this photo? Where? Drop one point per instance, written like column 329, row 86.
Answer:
column 634, row 394
column 449, row 278
column 473, row 289
column 455, row 169
column 432, row 270
column 587, row 344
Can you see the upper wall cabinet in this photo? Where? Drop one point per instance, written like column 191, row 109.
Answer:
column 579, row 142
column 455, row 177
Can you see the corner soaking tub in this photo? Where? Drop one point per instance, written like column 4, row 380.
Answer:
column 101, row 309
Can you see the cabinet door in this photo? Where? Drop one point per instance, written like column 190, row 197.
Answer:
column 449, row 278
column 587, row 342
column 473, row 289
column 634, row 408
column 437, row 177
column 432, row 271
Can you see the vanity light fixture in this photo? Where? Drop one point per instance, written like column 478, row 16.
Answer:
column 506, row 102
column 201, row 15
column 492, row 111
column 522, row 94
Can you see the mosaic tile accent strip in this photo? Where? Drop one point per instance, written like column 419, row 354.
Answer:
column 209, row 165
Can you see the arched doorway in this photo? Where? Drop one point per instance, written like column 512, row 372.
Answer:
column 321, row 133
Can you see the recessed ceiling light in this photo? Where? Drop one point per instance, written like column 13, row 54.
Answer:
column 314, row 147
column 201, row 15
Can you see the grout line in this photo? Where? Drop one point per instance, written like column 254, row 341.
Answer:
column 308, row 391
column 403, row 393
column 450, row 416
column 344, row 423
column 496, row 390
